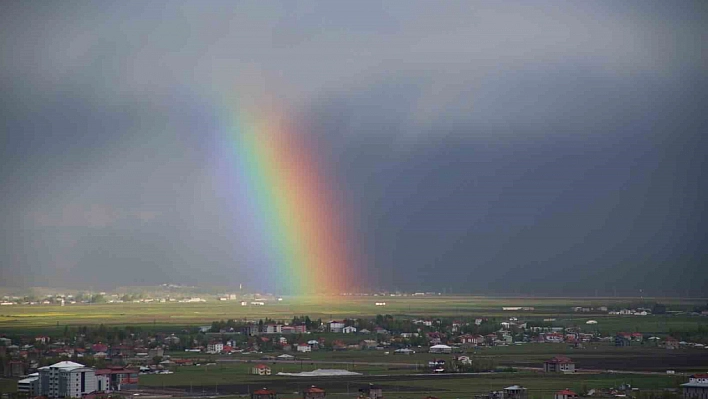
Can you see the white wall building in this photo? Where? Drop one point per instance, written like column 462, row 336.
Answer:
column 215, row 347
column 29, row 385
column 336, row 326
column 66, row 380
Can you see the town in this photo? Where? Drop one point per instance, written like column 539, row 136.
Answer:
column 100, row 360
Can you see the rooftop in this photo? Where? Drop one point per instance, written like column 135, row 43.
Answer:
column 66, row 365
column 567, row 392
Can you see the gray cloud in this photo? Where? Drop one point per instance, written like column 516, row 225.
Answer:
column 498, row 143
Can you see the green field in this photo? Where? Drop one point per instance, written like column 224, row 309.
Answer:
column 176, row 315
column 234, row 379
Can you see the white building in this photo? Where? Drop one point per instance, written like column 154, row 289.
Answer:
column 215, row 347
column 336, row 326
column 304, row 348
column 29, row 385
column 349, row 330
column 440, row 349
column 66, row 380
column 696, row 387
column 273, row 329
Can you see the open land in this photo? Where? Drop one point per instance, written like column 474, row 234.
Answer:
column 178, row 315
column 601, row 365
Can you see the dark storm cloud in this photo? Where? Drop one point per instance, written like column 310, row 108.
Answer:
column 497, row 147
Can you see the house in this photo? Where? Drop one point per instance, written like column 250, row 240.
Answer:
column 696, row 387
column 472, row 340
column 116, row 379
column 264, row 393
column 368, row 344
column 440, row 349
column 171, row 340
column 671, row 343
column 260, row 369
column 313, row 392
column 156, row 352
column 623, row 339
column 215, row 347
column 349, row 330
column 371, row 392
column 99, row 347
column 554, row 337
column 304, row 348
column 515, row 392
column 42, row 339
column 559, row 364
column 273, row 329
column 336, row 326
column 464, row 360
column 434, row 338
column 565, row 394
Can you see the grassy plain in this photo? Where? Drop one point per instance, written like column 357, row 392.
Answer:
column 178, row 315
column 233, row 379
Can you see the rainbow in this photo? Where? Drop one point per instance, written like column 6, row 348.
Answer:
column 294, row 205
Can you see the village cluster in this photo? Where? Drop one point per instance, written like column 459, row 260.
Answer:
column 85, row 361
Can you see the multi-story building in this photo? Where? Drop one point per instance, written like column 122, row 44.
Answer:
column 215, row 347
column 559, row 364
column 696, row 387
column 273, row 328
column 336, row 326
column 29, row 386
column 66, row 380
column 116, row 379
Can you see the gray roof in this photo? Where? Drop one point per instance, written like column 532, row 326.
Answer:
column 695, row 385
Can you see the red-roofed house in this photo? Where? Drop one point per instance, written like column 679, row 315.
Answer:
column 559, row 364
column 565, row 394
column 260, row 369
column 313, row 392
column 264, row 394
column 99, row 348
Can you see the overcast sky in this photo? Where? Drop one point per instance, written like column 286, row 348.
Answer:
column 490, row 147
